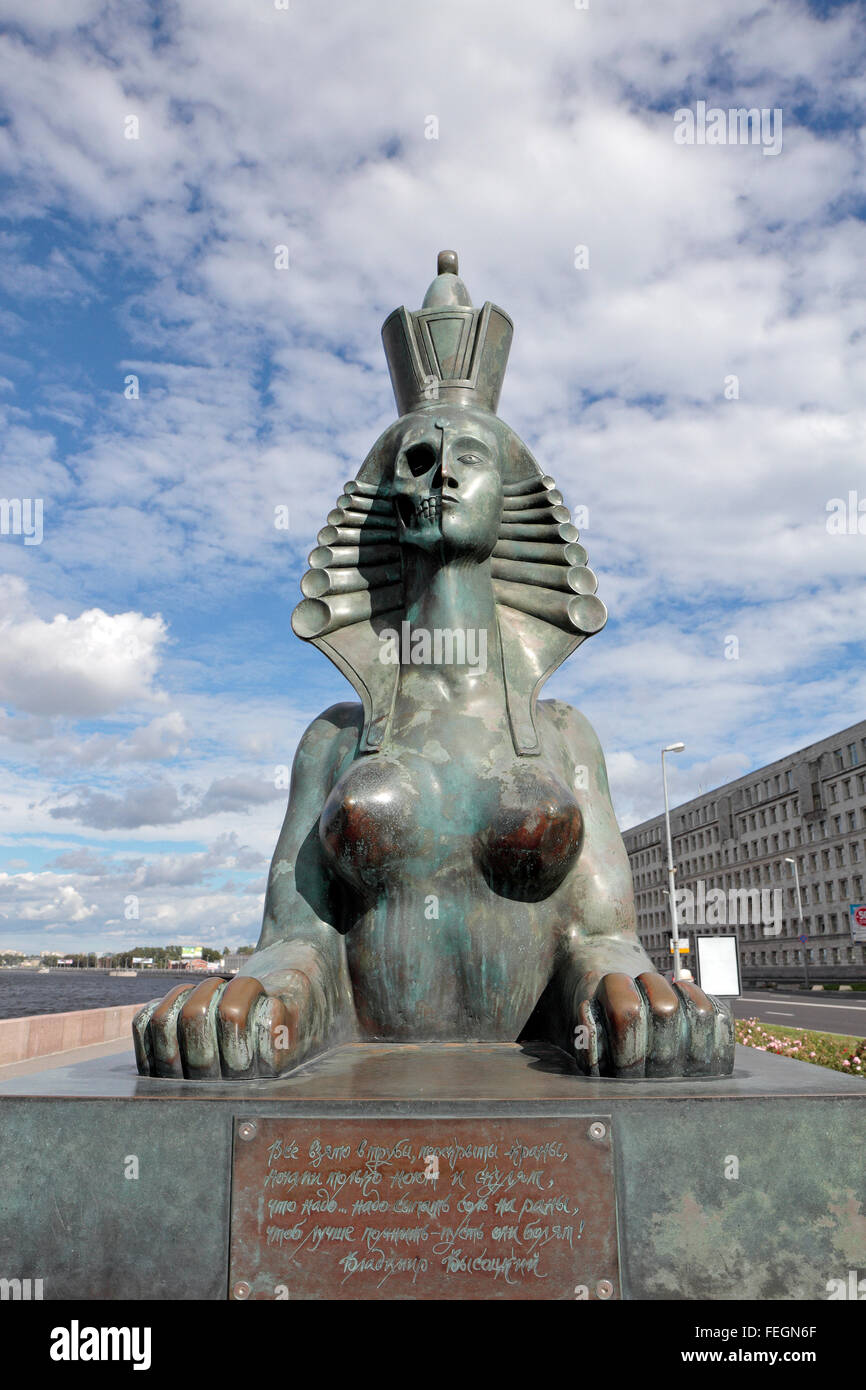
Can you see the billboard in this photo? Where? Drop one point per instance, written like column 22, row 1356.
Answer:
column 190, row 952
column 719, row 965
column 857, row 914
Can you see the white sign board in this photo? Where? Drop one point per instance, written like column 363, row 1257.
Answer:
column 719, row 965
column 857, row 913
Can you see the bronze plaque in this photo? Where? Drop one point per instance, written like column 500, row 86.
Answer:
column 423, row 1208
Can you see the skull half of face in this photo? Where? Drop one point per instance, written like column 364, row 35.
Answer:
column 417, row 491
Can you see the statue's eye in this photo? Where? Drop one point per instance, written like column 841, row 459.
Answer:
column 420, row 459
column 471, row 458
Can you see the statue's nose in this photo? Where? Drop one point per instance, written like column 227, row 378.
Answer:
column 446, row 474
column 440, row 473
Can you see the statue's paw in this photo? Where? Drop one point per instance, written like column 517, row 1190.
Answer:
column 234, row 1029
column 647, row 1027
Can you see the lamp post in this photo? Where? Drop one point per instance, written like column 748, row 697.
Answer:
column 804, row 944
column 671, row 748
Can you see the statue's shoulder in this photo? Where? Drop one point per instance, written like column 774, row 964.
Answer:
column 331, row 734
column 581, row 757
column 572, row 726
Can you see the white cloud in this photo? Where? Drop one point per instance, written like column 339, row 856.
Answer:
column 259, row 387
column 82, row 667
column 158, row 802
column 162, row 738
column 46, row 900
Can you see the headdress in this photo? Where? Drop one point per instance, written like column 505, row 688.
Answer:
column 545, row 594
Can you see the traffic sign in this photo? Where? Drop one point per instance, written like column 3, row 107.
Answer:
column 804, row 939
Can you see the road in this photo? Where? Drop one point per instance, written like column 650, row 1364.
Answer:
column 828, row 1013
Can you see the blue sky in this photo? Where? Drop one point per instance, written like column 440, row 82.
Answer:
column 150, row 684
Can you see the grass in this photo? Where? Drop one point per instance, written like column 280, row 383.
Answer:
column 840, row 1053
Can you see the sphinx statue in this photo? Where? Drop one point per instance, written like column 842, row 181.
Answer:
column 449, row 867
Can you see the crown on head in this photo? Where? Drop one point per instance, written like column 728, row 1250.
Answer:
column 447, row 350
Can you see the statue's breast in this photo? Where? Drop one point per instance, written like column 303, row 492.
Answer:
column 392, row 817
column 534, row 835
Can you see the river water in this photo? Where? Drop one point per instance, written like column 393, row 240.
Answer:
column 27, row 992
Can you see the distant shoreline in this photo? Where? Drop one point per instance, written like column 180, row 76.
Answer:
column 65, row 989
column 105, row 970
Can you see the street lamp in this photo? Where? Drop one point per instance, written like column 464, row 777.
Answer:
column 804, row 944
column 671, row 748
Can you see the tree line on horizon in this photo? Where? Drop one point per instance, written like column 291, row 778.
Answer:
column 162, row 956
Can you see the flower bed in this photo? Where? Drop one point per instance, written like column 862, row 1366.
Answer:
column 832, row 1050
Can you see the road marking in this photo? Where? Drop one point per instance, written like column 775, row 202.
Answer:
column 806, row 1004
column 777, row 1013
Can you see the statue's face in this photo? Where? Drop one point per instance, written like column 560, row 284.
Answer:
column 447, row 487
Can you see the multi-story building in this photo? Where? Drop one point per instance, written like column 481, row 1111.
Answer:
column 810, row 807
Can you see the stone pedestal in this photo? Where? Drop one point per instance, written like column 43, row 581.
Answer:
column 433, row 1171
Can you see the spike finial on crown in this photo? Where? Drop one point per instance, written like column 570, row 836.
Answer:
column 447, row 350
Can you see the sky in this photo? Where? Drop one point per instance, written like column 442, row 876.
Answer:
column 689, row 363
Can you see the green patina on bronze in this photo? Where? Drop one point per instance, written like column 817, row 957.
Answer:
column 450, row 867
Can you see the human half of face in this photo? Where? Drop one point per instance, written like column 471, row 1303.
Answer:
column 447, row 487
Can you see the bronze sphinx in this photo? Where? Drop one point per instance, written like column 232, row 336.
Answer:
column 449, row 867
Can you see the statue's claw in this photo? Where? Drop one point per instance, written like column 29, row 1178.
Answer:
column 233, row 1029
column 645, row 1026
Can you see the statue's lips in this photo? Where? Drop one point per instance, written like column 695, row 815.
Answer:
column 428, row 510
